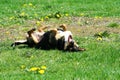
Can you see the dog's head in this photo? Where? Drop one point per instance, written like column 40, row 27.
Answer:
column 66, row 41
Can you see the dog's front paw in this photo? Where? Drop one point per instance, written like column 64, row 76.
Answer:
column 81, row 49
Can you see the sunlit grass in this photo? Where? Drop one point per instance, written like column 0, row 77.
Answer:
column 99, row 61
column 14, row 12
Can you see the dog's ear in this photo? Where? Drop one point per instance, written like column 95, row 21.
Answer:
column 64, row 27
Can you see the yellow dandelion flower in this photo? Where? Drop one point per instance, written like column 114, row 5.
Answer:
column 100, row 33
column 11, row 17
column 34, row 68
column 99, row 39
column 24, row 5
column 66, row 14
column 46, row 17
column 7, row 32
column 42, row 19
column 43, row 67
column 100, row 17
column 82, row 14
column 22, row 66
column 50, row 15
column 96, row 17
column 57, row 15
column 30, row 4
column 41, row 71
column 35, row 14
column 22, row 14
column 38, row 22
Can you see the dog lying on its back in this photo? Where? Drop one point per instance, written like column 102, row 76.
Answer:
column 60, row 39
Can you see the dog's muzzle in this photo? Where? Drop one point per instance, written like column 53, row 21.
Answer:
column 71, row 45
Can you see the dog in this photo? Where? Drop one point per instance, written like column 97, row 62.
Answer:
column 58, row 38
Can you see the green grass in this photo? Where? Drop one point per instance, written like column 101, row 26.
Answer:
column 113, row 25
column 75, row 7
column 100, row 61
column 11, row 9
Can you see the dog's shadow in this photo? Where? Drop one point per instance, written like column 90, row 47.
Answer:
column 22, row 47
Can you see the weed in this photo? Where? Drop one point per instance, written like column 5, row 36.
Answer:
column 99, row 61
column 102, row 34
column 113, row 25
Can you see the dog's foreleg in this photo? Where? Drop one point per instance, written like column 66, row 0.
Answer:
column 18, row 43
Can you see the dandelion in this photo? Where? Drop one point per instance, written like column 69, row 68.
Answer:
column 30, row 4
column 100, row 33
column 82, row 14
column 22, row 66
column 35, row 14
column 41, row 71
column 38, row 22
column 66, row 14
column 22, row 14
column 50, row 15
column 99, row 39
column 11, row 17
column 96, row 17
column 43, row 67
column 7, row 32
column 24, row 5
column 34, row 68
column 57, row 15
column 100, row 17
column 42, row 19
column 46, row 17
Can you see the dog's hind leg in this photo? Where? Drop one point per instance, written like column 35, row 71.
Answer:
column 18, row 43
column 41, row 29
column 64, row 27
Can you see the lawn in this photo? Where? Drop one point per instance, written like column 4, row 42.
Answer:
column 95, row 25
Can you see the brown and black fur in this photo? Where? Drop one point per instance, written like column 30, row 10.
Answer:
column 49, row 41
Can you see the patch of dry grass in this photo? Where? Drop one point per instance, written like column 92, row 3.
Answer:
column 80, row 26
